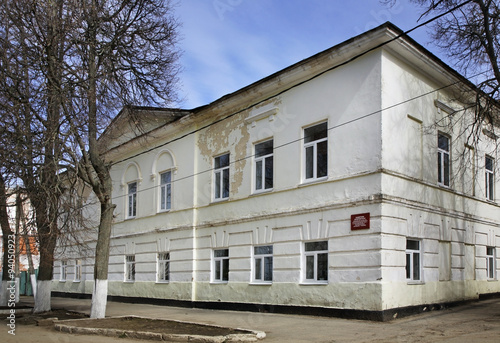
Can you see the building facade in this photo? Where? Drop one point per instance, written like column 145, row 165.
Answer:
column 344, row 182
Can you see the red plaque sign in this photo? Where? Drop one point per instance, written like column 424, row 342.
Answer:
column 360, row 221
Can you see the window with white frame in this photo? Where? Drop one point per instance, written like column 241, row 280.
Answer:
column 64, row 270
column 221, row 265
column 221, row 177
column 165, row 190
column 413, row 261
column 489, row 177
column 490, row 263
column 78, row 270
column 264, row 165
column 263, row 263
column 316, row 152
column 443, row 160
column 316, row 261
column 132, row 200
column 130, row 268
column 163, row 274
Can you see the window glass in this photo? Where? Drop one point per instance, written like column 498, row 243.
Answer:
column 316, row 151
column 263, row 263
column 316, row 261
column 221, row 177
column 264, row 165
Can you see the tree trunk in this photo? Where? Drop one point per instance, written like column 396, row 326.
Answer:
column 7, row 251
column 100, row 289
column 47, row 235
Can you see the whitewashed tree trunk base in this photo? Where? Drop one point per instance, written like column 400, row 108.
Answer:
column 5, row 293
column 18, row 289
column 33, row 285
column 42, row 300
column 99, row 299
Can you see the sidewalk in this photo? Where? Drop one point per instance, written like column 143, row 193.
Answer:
column 478, row 322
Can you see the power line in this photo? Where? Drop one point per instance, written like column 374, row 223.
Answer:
column 302, row 138
column 405, row 33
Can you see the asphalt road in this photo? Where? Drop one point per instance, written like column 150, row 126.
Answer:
column 473, row 322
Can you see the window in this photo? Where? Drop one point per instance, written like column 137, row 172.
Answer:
column 163, row 274
column 78, row 270
column 316, row 151
column 221, row 265
column 221, row 177
column 64, row 269
column 490, row 262
column 443, row 160
column 263, row 263
column 264, row 165
column 316, row 261
column 413, row 260
column 130, row 268
column 165, row 191
column 489, row 176
column 132, row 200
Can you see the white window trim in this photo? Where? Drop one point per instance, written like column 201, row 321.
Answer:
column 314, row 144
column 490, row 184
column 63, row 271
column 160, row 263
column 263, row 160
column 78, row 270
column 161, row 187
column 219, row 259
column 221, row 176
column 262, row 258
column 420, row 265
column 134, row 199
column 441, row 153
column 491, row 264
column 314, row 253
column 130, row 277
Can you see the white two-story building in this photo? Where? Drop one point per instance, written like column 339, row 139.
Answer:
column 343, row 184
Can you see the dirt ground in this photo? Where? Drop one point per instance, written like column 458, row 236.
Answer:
column 477, row 322
column 154, row 325
column 42, row 324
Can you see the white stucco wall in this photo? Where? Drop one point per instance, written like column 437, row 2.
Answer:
column 381, row 160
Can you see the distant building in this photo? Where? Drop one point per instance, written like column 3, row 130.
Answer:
column 26, row 233
column 343, row 183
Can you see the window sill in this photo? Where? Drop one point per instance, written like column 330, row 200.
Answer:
column 164, row 211
column 308, row 182
column 130, row 218
column 261, row 283
column 62, row 281
column 162, row 282
column 314, row 283
column 259, row 192
column 218, row 282
column 416, row 282
column 216, row 201
column 77, row 281
column 129, row 281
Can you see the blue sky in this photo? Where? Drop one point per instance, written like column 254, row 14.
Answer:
column 229, row 44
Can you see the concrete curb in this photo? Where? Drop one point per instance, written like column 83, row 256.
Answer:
column 249, row 336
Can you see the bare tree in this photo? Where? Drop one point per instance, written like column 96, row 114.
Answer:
column 124, row 54
column 31, row 77
column 468, row 33
column 6, row 237
column 75, row 63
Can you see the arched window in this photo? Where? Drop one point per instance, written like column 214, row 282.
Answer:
column 130, row 182
column 164, row 168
